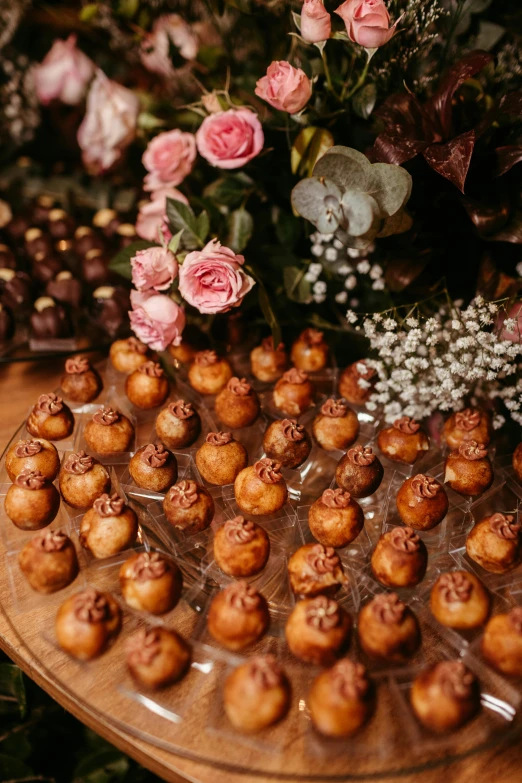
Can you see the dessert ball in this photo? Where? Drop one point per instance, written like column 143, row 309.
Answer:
column 468, row 470
column 241, row 547
column 459, row 600
column 220, row 458
column 49, row 561
column 7, row 324
column 238, row 616
column 153, row 467
column 45, row 266
column 85, row 239
column 178, row 425
column 157, row 657
column 31, row 502
column 183, row 353
column 293, row 393
column 287, row 442
column 399, row 558
column 16, row 290
column 261, row 489
column 83, row 479
column 310, row 351
column 108, row 527
column 237, row 405
column 7, row 258
column 336, row 426
column 66, row 289
column 256, row 694
column 36, row 242
column 49, row 320
column 189, row 506
column 502, row 642
column 86, row 623
column 356, row 383
column 404, row 441
column 359, row 472
column 315, row 570
column 445, row 696
column 109, row 431
column 209, row 373
column 388, row 629
column 268, row 363
column 81, row 382
column 318, row 630
column 422, row 502
column 517, row 462
column 494, row 543
column 342, row 699
column 466, row 425
column 150, row 582
column 32, row 454
column 147, row 387
column 50, row 418
column 335, row 519
column 61, row 225
column 127, row 355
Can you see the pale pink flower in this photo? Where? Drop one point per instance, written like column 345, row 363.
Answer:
column 155, row 48
column 367, row 22
column 515, row 333
column 151, row 217
column 64, row 73
column 229, row 139
column 156, row 320
column 284, row 87
column 316, row 23
column 153, row 268
column 169, row 158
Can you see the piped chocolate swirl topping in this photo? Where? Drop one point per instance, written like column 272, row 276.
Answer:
column 265, row 672
column 239, row 387
column 219, row 438
column 77, row 365
column 349, row 679
column 472, row 450
column 91, row 606
column 206, row 358
column 239, row 530
column 455, row 587
column 28, row 448
column 50, row 541
column 515, row 618
column 336, row 498
column 323, row 613
column 30, row 479
column 184, row 494
column 181, row 409
column 268, row 345
column 295, row 376
column 406, row 425
column 136, row 345
column 106, row 416
column 312, row 336
column 152, row 369
column 323, row 560
column 268, row 470
column 455, row 679
column 49, row 403
column 154, row 455
column 504, row 526
column 388, row 608
column 424, row 487
column 242, row 596
column 149, row 565
column 143, row 647
column 109, row 505
column 292, row 430
column 79, row 463
column 361, row 456
column 334, row 409
column 405, row 539
column 467, row 419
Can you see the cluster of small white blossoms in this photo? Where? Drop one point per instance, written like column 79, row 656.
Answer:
column 443, row 362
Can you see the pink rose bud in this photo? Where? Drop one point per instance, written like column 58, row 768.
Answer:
column 156, row 320
column 367, row 22
column 153, row 268
column 63, row 74
column 316, row 23
column 151, row 221
column 284, row 87
column 229, row 139
column 169, row 158
column 169, row 29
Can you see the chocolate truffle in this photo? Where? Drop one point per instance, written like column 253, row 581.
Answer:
column 86, row 239
column 16, row 290
column 388, row 629
column 466, row 425
column 126, row 232
column 50, row 418
column 127, row 355
column 318, row 630
column 31, row 502
column 45, row 267
column 86, row 623
column 220, row 458
column 237, row 405
column 342, row 699
column 49, row 321
column 107, row 221
column 422, row 502
column 494, row 543
column 109, row 431
column 65, row 288
column 468, row 470
column 261, row 489
column 256, row 694
column 7, row 324
column 108, row 527
column 310, row 351
column 241, row 547
column 335, row 519
column 209, row 373
column 404, row 441
column 34, row 454
column 81, row 382
column 83, row 479
column 238, row 616
column 399, row 558
column 336, row 426
column 517, row 462
column 178, row 425
column 459, row 600
column 157, row 657
column 356, row 383
column 314, row 570
column 445, row 696
column 147, row 387
column 49, row 561
column 287, row 442
column 189, row 506
column 359, row 472
column 293, row 393
column 154, row 468
column 37, row 243
column 502, row 642
column 60, row 224
column 95, row 271
column 150, row 582
column 268, row 363
column 7, row 258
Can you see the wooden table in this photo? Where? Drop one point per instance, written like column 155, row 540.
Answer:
column 20, row 384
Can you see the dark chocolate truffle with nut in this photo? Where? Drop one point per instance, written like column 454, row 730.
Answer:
column 7, row 324
column 468, row 424
column 318, row 630
column 109, row 527
column 81, row 382
column 502, row 642
column 356, row 383
column 293, row 393
column 287, row 442
column 256, row 694
column 400, row 558
column 127, row 355
column 221, row 458
column 238, row 616
column 49, row 561
column 388, row 629
column 459, row 600
column 468, row 470
column 335, row 519
column 178, row 425
column 268, row 363
column 49, row 321
column 109, row 431
column 359, row 472
column 422, row 502
column 310, row 351
column 86, row 623
column 31, row 502
column 147, row 387
column 341, row 699
column 404, row 441
column 241, row 547
column 494, row 543
column 336, row 426
column 50, row 418
column 261, row 489
column 189, row 506
column 83, row 479
column 209, row 373
column 153, row 467
column 157, row 657
column 314, row 569
column 237, row 405
column 66, row 289
column 150, row 582
column 445, row 696
column 32, row 454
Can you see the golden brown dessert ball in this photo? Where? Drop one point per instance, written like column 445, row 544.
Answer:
column 335, row 519
column 494, row 543
column 86, row 623
column 50, row 418
column 404, row 441
column 109, row 431
column 49, row 561
column 517, row 462
column 268, row 363
column 81, row 382
column 184, row 352
column 468, row 470
column 356, row 383
column 237, row 405
column 315, row 570
column 400, row 558
column 188, row 505
column 422, row 502
column 388, row 629
column 459, row 600
column 261, row 489
column 153, row 467
column 82, row 480
column 178, row 425
column 256, row 694
column 287, row 442
column 445, row 696
column 241, row 547
column 293, row 393
column 157, row 657
column 147, row 387
column 502, row 642
column 318, row 630
column 150, row 582
column 466, row 425
column 31, row 501
column 127, row 355
column 336, row 426
column 221, row 458
column 238, row 616
column 209, row 373
column 108, row 527
column 359, row 472
column 310, row 351
column 341, row 699
column 32, row 454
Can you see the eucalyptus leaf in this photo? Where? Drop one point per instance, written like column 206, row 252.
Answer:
column 390, row 186
column 363, row 102
column 120, row 263
column 319, row 201
column 346, row 171
column 396, row 224
column 240, row 226
column 360, row 212
column 359, row 243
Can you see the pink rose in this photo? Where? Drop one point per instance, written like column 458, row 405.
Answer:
column 109, row 125
column 212, row 279
column 154, row 268
column 284, row 87
column 367, row 22
column 155, row 48
column 169, row 158
column 229, row 139
column 316, row 23
column 151, row 217
column 156, row 320
column 63, row 74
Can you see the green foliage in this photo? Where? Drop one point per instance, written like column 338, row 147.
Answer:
column 240, row 228
column 182, row 218
column 12, row 691
column 297, row 288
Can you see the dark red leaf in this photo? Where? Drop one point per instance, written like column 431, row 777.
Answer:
column 512, row 232
column 404, row 113
column 452, row 159
column 488, row 217
column 511, row 103
column 508, row 157
column 397, row 149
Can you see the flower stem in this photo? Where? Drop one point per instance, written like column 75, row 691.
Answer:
column 359, row 83
column 328, row 77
